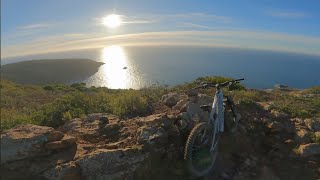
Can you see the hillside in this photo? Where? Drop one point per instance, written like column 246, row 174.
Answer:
column 101, row 133
column 50, row 71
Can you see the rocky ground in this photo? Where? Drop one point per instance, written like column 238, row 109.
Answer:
column 266, row 145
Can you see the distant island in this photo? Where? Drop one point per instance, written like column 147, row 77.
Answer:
column 48, row 71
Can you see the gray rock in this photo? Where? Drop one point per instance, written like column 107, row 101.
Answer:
column 170, row 99
column 185, row 116
column 95, row 116
column 26, row 141
column 67, row 141
column 160, row 136
column 317, row 134
column 280, row 115
column 268, row 174
column 280, row 86
column 91, row 126
column 313, row 124
column 67, row 171
column 194, row 111
column 275, row 126
column 309, row 149
column 204, row 99
column 55, row 145
column 247, row 162
column 109, row 164
column 192, row 92
column 224, row 175
column 104, row 120
column 302, row 136
column 145, row 133
column 265, row 105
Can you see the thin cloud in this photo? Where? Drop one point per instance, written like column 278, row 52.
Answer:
column 193, row 25
column 287, row 14
column 137, row 22
column 35, row 26
column 228, row 38
column 127, row 20
column 201, row 17
column 176, row 18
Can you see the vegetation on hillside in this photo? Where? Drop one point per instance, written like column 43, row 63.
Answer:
column 50, row 71
column 52, row 105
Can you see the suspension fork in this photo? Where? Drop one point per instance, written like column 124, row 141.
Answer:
column 229, row 101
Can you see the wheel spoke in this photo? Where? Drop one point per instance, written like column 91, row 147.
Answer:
column 199, row 145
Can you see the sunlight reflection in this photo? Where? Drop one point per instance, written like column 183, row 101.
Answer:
column 115, row 70
column 118, row 72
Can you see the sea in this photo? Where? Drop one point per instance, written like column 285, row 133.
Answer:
column 137, row 67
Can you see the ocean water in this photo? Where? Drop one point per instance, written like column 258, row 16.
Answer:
column 136, row 67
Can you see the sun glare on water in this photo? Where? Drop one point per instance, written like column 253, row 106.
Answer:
column 112, row 21
column 114, row 71
column 119, row 71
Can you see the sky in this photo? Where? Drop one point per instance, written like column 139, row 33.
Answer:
column 44, row 26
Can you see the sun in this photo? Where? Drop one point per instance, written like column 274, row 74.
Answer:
column 112, row 21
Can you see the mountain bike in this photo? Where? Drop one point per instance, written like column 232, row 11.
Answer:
column 202, row 144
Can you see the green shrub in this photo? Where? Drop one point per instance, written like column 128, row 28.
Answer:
column 79, row 86
column 312, row 90
column 67, row 116
column 314, row 138
column 246, row 97
column 53, row 105
column 125, row 103
column 48, row 88
column 12, row 117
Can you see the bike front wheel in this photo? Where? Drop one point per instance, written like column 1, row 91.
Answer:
column 199, row 158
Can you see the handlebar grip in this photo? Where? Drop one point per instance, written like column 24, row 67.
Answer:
column 239, row 79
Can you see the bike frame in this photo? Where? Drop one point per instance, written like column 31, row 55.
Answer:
column 216, row 118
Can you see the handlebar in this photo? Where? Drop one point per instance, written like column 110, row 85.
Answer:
column 219, row 85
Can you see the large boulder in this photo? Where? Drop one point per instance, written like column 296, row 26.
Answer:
column 90, row 127
column 309, row 149
column 303, row 136
column 194, row 111
column 268, row 174
column 275, row 126
column 317, row 135
column 67, row 141
column 66, row 171
column 110, row 164
column 26, row 141
column 204, row 99
column 280, row 86
column 279, row 114
column 170, row 99
column 313, row 124
column 90, row 148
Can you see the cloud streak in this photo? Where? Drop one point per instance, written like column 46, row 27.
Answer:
column 232, row 38
column 138, row 22
column 194, row 25
column 177, row 18
column 200, row 17
column 287, row 14
column 35, row 26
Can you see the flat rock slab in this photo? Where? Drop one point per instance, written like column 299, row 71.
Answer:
column 309, row 149
column 26, row 141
